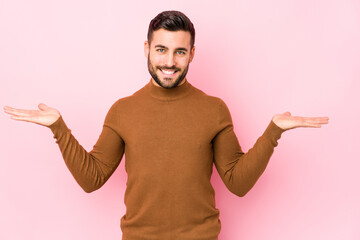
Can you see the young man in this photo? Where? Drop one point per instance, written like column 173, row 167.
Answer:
column 171, row 133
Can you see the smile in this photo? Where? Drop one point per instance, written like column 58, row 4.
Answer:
column 168, row 72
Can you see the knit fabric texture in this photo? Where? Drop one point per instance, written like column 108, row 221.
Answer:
column 171, row 138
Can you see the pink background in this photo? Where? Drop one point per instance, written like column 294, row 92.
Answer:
column 261, row 57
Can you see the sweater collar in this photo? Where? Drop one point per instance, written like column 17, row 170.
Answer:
column 169, row 94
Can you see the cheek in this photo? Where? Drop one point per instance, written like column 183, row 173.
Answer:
column 183, row 62
column 156, row 60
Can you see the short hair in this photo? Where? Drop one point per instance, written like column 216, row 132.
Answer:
column 171, row 21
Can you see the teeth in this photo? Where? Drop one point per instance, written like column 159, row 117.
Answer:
column 168, row 72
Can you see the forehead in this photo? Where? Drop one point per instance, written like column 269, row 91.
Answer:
column 171, row 39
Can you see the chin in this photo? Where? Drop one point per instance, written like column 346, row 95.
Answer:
column 169, row 83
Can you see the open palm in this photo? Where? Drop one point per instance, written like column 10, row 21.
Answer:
column 286, row 121
column 44, row 116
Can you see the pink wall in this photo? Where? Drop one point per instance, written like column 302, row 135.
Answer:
column 262, row 57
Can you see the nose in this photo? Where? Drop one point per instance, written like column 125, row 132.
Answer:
column 170, row 60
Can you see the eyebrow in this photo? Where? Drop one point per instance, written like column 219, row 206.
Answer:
column 177, row 49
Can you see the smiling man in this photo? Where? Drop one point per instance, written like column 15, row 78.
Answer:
column 169, row 53
column 171, row 134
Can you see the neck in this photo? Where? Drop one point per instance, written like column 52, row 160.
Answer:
column 169, row 94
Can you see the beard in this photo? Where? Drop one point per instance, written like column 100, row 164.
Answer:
column 166, row 82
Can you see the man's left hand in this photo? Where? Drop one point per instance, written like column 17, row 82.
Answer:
column 285, row 121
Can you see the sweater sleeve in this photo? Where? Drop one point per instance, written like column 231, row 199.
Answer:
column 238, row 170
column 90, row 169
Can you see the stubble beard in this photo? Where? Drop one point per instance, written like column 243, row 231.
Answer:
column 166, row 83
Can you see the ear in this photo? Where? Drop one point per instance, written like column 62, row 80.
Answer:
column 146, row 48
column 192, row 53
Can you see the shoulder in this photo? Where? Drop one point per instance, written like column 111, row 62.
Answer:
column 210, row 100
column 130, row 101
column 215, row 108
column 120, row 106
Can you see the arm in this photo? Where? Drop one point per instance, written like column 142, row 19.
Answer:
column 90, row 169
column 240, row 171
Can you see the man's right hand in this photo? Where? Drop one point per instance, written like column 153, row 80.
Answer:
column 44, row 116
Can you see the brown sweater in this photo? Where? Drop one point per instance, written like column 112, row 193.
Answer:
column 171, row 139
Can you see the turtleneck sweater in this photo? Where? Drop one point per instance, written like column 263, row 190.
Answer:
column 171, row 138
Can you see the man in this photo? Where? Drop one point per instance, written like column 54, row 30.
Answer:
column 171, row 133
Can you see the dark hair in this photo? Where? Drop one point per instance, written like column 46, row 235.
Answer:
column 171, row 21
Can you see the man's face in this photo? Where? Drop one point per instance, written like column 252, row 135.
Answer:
column 169, row 56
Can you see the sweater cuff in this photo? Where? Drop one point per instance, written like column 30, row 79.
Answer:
column 273, row 132
column 59, row 127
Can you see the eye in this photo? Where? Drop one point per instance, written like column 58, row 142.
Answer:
column 160, row 50
column 181, row 52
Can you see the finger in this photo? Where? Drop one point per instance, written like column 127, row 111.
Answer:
column 19, row 112
column 287, row 113
column 316, row 124
column 43, row 107
column 10, row 110
column 315, row 120
column 6, row 108
column 318, row 120
column 313, row 125
column 22, row 118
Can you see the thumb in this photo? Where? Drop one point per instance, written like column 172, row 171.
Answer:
column 287, row 114
column 43, row 107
